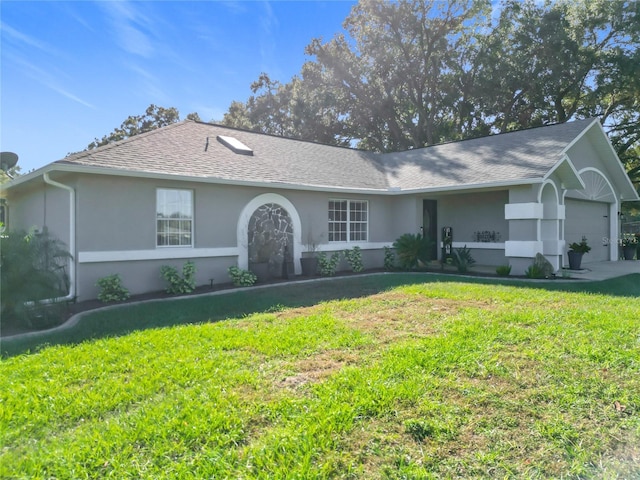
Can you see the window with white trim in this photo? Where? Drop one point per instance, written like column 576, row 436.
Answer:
column 348, row 220
column 174, row 217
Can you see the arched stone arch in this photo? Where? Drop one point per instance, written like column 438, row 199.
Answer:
column 242, row 231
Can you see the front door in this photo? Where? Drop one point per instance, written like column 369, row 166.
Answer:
column 430, row 224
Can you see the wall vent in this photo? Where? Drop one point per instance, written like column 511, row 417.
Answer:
column 234, row 145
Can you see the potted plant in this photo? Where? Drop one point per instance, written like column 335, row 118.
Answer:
column 629, row 243
column 576, row 251
column 310, row 262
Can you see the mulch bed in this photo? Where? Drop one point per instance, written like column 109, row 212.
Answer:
column 78, row 307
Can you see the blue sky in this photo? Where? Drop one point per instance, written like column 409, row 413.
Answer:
column 73, row 71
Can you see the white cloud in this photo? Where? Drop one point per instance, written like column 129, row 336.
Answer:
column 19, row 38
column 131, row 28
column 47, row 79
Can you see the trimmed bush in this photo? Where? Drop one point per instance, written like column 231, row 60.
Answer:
column 111, row 289
column 241, row 278
column 185, row 283
column 354, row 258
column 503, row 270
column 534, row 271
column 389, row 259
column 328, row 266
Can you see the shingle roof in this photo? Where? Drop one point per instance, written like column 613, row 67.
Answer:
column 520, row 155
column 181, row 149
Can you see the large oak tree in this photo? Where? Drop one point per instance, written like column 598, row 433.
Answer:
column 413, row 73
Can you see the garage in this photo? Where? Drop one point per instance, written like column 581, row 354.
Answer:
column 590, row 219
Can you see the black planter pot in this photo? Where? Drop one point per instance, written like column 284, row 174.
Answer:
column 628, row 252
column 309, row 266
column 575, row 260
column 261, row 270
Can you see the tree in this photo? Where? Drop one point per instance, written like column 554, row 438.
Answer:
column 154, row 117
column 11, row 173
column 412, row 73
column 297, row 109
column 395, row 76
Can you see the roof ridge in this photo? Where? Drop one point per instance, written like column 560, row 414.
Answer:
column 558, row 124
column 282, row 137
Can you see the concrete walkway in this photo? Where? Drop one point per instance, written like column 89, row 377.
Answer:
column 589, row 271
column 605, row 270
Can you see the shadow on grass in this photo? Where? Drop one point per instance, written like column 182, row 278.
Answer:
column 120, row 320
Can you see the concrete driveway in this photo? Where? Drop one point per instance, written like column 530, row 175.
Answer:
column 605, row 270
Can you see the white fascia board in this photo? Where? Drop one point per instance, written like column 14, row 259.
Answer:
column 391, row 191
column 575, row 181
column 628, row 184
column 468, row 186
column 626, row 179
column 580, row 135
column 20, row 179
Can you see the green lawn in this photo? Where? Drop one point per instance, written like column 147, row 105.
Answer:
column 373, row 377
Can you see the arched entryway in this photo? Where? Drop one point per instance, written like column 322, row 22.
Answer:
column 268, row 224
column 550, row 225
column 269, row 239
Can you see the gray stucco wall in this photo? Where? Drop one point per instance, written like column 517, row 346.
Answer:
column 583, row 154
column 473, row 212
column 38, row 207
column 127, row 223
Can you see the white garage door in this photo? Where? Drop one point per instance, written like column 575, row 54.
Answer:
column 590, row 219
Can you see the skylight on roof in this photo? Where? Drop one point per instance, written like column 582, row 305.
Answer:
column 234, row 145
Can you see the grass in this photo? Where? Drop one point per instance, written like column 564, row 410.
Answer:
column 125, row 319
column 393, row 377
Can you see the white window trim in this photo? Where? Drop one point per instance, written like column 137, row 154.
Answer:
column 191, row 193
column 366, row 202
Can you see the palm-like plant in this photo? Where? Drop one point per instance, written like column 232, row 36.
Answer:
column 413, row 250
column 32, row 269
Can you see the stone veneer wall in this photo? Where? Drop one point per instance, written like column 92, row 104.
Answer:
column 270, row 230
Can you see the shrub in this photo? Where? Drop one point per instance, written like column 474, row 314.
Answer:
column 503, row 270
column 389, row 258
column 462, row 259
column 185, row 283
column 111, row 289
column 242, row 278
column 328, row 266
column 534, row 271
column 354, row 258
column 33, row 269
column 413, row 250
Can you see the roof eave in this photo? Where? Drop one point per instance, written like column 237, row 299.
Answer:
column 628, row 191
column 467, row 186
column 567, row 172
column 71, row 168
